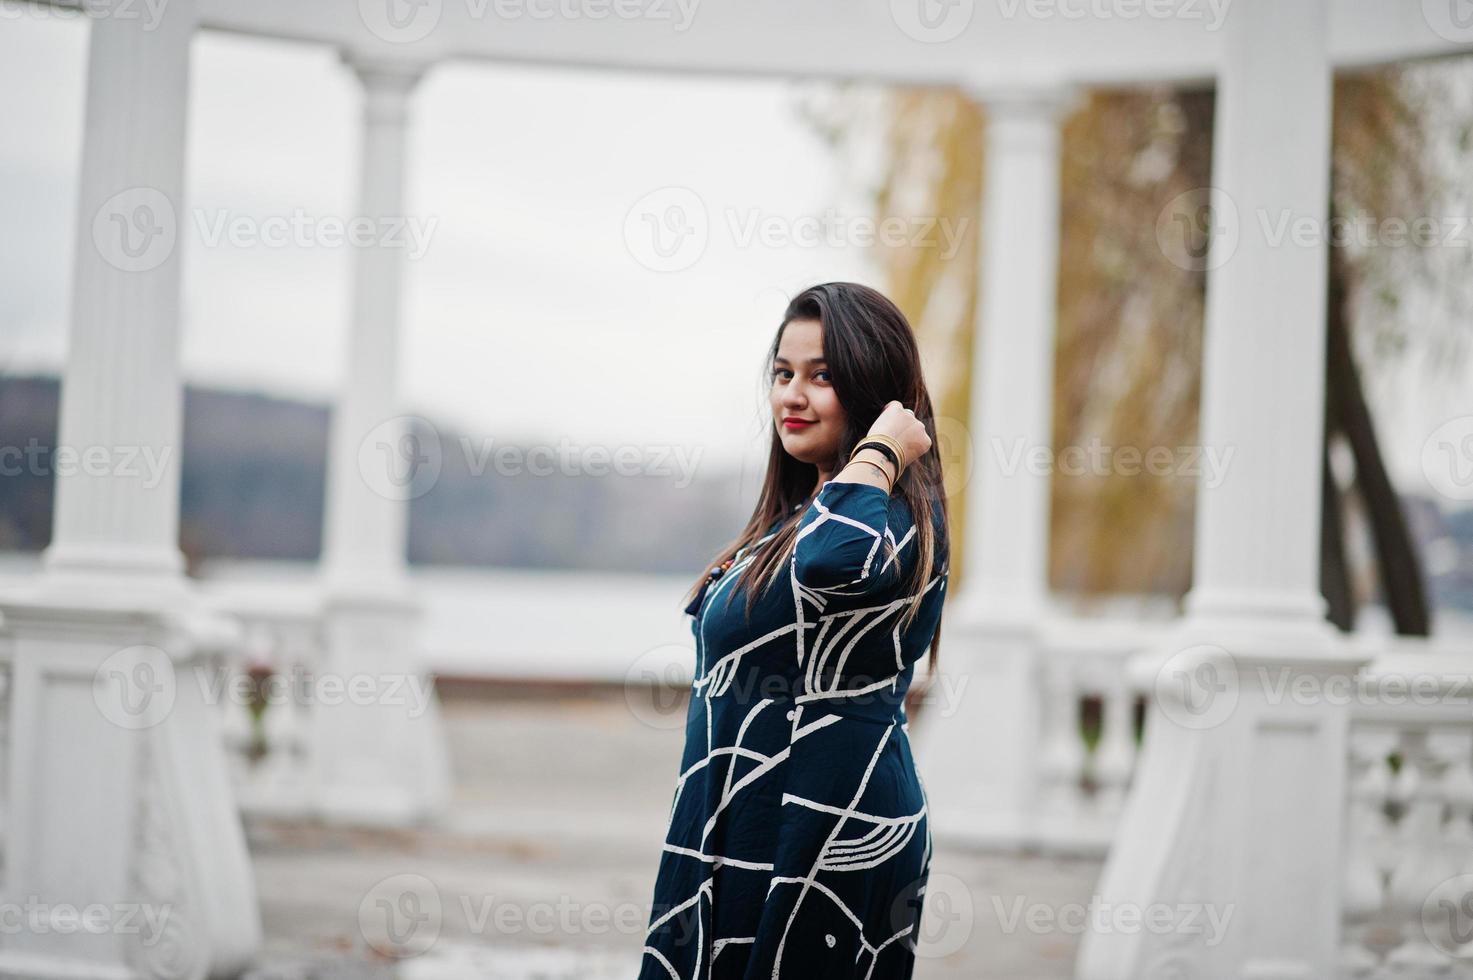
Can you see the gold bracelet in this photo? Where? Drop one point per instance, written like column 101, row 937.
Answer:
column 878, row 451
column 892, row 443
column 884, row 464
column 884, row 467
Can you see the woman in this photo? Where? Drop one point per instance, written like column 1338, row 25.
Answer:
column 798, row 844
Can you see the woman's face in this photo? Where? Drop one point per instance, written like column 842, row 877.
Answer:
column 805, row 409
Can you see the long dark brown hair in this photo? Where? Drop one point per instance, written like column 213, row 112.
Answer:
column 873, row 359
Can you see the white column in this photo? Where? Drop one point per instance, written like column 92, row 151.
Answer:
column 365, row 531
column 121, row 381
column 116, row 794
column 978, row 737
column 381, row 762
column 1257, row 535
column 1243, row 771
column 1007, row 537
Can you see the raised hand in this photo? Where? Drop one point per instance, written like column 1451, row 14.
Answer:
column 901, row 424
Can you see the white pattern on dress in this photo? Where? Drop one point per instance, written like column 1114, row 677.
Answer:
column 823, row 671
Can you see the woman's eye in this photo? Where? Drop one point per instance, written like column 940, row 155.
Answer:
column 778, row 374
column 822, row 375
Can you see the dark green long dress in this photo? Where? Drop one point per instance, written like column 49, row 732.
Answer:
column 798, row 845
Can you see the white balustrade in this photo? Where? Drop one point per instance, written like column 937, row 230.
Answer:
column 1081, row 776
column 1407, row 888
column 267, row 694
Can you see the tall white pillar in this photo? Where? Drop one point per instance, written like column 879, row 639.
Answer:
column 121, row 389
column 116, row 793
column 382, row 757
column 1257, row 534
column 365, row 532
column 1243, row 771
column 978, row 736
column 1007, row 538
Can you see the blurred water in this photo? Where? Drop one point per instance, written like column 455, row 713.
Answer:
column 568, row 625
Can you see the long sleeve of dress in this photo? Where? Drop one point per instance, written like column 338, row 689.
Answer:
column 850, row 538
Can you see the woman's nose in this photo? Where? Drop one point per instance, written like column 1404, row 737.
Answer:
column 793, row 396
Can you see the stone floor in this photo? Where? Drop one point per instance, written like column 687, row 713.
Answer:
column 545, row 865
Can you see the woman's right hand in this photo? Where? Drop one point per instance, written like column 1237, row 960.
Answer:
column 901, row 424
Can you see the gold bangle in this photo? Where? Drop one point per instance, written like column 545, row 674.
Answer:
column 884, row 461
column 894, row 444
column 883, row 467
column 891, row 442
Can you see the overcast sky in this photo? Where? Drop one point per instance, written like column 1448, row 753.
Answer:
column 533, row 312
column 528, row 314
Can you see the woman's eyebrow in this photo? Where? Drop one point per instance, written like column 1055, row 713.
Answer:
column 811, row 360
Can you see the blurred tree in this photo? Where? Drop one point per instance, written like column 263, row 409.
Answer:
column 1400, row 143
column 1129, row 320
column 1128, row 366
